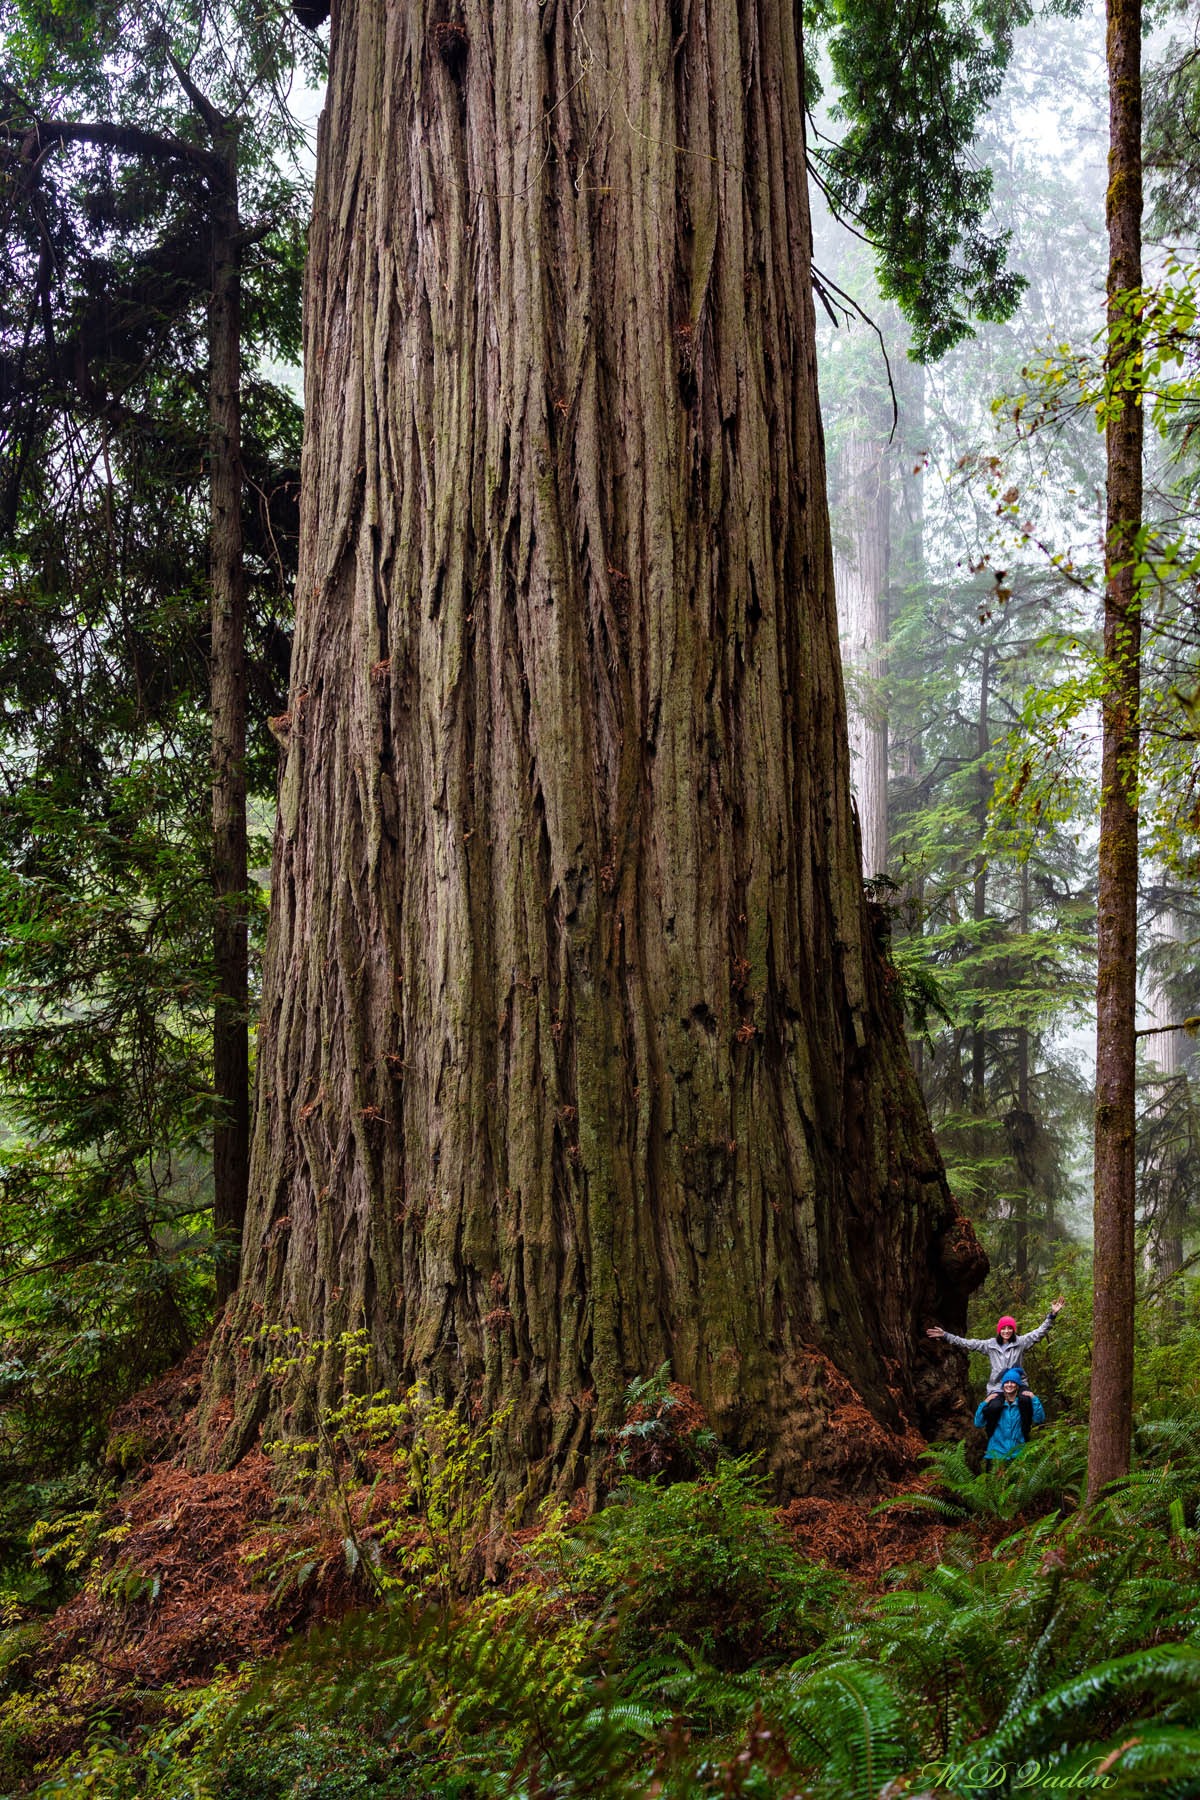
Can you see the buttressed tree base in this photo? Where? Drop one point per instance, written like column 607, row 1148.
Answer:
column 577, row 1053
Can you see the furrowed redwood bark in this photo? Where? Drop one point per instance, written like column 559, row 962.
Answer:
column 577, row 1051
column 1111, row 1419
column 231, row 1070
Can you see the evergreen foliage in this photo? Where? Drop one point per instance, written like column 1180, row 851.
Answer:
column 105, row 896
column 992, row 919
column 907, row 171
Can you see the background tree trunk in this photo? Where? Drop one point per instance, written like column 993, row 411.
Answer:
column 1022, row 1126
column 1111, row 1418
column 576, row 1052
column 231, row 1069
column 861, row 580
column 906, row 560
column 979, row 911
column 1168, row 1051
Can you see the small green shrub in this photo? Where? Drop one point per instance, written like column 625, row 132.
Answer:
column 440, row 1458
column 703, row 1564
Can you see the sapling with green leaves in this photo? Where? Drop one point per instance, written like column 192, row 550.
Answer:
column 442, row 1537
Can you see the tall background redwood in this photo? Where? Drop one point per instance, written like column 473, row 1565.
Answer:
column 861, row 579
column 1110, row 1424
column 576, row 1053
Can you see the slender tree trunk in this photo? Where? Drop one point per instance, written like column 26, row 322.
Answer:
column 907, row 535
column 983, row 745
column 1164, row 1048
column 1167, row 1052
column 1022, row 1127
column 576, row 1053
column 906, row 559
column 231, row 1077
column 861, row 581
column 1116, row 989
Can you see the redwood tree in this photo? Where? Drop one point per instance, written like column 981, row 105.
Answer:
column 577, row 1051
column 1111, row 1420
column 861, row 580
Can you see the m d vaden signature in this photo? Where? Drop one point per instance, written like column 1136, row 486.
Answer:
column 979, row 1776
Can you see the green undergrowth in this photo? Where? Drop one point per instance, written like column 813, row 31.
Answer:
column 679, row 1644
column 1051, row 1472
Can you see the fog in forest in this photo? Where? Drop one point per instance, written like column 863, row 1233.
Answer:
column 968, row 535
column 520, row 1065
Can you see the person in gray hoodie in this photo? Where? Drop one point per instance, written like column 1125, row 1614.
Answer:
column 1004, row 1350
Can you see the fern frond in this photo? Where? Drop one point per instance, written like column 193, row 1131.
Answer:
column 699, row 1693
column 852, row 1718
column 1147, row 1759
column 1169, row 1671
column 953, row 1510
column 627, row 1715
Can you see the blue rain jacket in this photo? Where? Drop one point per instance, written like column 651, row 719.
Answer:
column 1006, row 1441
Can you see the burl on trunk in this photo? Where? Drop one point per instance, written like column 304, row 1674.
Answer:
column 577, row 1054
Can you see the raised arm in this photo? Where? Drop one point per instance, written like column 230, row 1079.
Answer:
column 939, row 1331
column 1039, row 1331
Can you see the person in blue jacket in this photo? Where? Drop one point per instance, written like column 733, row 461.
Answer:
column 1010, row 1429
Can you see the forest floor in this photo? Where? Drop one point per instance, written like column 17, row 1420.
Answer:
column 234, row 1636
column 196, row 1570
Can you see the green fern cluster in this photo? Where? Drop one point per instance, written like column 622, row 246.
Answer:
column 656, row 1435
column 702, row 1564
column 1050, row 1472
column 1050, row 1651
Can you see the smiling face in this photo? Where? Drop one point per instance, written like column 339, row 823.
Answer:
column 1007, row 1334
column 1010, row 1390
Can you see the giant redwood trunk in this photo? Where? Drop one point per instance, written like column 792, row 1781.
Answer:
column 576, row 1053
